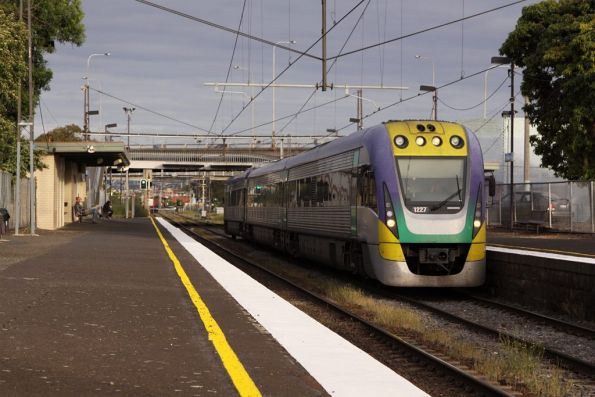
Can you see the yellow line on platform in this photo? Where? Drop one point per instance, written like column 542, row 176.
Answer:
column 232, row 364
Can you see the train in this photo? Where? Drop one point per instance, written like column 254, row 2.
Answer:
column 402, row 202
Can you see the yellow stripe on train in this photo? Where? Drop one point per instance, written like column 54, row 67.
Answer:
column 427, row 138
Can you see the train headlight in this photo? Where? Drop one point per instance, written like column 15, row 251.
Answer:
column 389, row 213
column 477, row 219
column 401, row 141
column 436, row 141
column 456, row 141
column 420, row 140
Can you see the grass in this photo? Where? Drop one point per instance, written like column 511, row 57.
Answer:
column 515, row 364
column 518, row 365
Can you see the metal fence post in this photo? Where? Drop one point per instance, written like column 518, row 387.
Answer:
column 592, row 209
column 549, row 203
column 570, row 206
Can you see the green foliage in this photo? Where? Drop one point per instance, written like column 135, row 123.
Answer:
column 52, row 20
column 554, row 41
column 68, row 133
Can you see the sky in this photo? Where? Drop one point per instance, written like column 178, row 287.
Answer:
column 159, row 63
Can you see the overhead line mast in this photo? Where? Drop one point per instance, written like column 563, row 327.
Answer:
column 324, row 84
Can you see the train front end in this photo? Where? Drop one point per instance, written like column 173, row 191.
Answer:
column 431, row 207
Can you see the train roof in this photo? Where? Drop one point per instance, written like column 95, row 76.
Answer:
column 352, row 141
column 340, row 145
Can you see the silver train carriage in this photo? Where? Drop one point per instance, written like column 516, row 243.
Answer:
column 401, row 202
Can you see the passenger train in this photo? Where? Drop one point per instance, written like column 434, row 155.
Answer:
column 402, row 202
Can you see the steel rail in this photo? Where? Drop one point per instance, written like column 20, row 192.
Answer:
column 563, row 359
column 487, row 388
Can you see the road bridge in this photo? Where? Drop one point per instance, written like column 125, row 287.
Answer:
column 185, row 160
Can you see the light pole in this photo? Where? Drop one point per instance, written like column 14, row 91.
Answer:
column 433, row 67
column 86, row 94
column 485, row 91
column 505, row 61
column 275, row 75
column 112, row 125
column 431, row 88
column 128, row 112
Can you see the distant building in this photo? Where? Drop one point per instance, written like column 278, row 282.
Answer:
column 494, row 138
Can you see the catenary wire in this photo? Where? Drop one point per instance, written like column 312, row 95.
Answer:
column 235, row 44
column 480, row 103
column 416, row 96
column 330, row 67
column 214, row 25
column 425, row 30
column 288, row 66
column 149, row 110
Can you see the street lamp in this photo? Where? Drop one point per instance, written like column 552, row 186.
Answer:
column 128, row 112
column 111, row 125
column 485, row 91
column 86, row 93
column 506, row 61
column 275, row 75
column 431, row 88
column 433, row 67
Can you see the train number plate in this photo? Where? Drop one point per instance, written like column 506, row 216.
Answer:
column 420, row 210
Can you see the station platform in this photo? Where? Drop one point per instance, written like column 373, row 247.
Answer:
column 106, row 308
column 581, row 245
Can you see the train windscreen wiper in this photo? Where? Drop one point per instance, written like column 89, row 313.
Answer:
column 446, row 200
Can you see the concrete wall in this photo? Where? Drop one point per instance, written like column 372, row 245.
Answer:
column 559, row 286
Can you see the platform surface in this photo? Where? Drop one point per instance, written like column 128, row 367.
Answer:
column 96, row 309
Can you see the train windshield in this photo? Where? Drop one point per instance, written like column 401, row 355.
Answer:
column 432, row 185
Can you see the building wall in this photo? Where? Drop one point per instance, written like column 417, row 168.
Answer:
column 57, row 187
column 46, row 193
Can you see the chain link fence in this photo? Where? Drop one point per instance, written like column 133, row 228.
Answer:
column 7, row 199
column 559, row 206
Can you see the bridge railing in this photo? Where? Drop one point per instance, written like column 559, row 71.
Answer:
column 561, row 206
column 212, row 156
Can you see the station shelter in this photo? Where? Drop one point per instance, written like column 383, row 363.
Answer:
column 70, row 168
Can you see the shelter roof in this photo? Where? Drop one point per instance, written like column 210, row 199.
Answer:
column 89, row 153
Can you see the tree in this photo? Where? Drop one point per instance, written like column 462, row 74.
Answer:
column 554, row 41
column 53, row 20
column 13, row 49
column 68, row 133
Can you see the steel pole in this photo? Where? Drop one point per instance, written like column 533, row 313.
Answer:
column 31, row 127
column 511, row 145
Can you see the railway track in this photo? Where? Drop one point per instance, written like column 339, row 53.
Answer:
column 564, row 334
column 399, row 353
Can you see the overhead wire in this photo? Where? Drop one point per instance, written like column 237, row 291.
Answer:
column 221, row 27
column 425, row 30
column 494, row 115
column 289, row 66
column 418, row 95
column 480, row 103
column 228, row 68
column 149, row 110
column 330, row 67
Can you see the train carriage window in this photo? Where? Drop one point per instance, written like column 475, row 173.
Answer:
column 367, row 189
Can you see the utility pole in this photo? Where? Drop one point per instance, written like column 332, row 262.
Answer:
column 128, row 112
column 511, row 71
column 31, row 127
column 360, row 110
column 324, row 45
column 527, row 147
column 17, row 198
